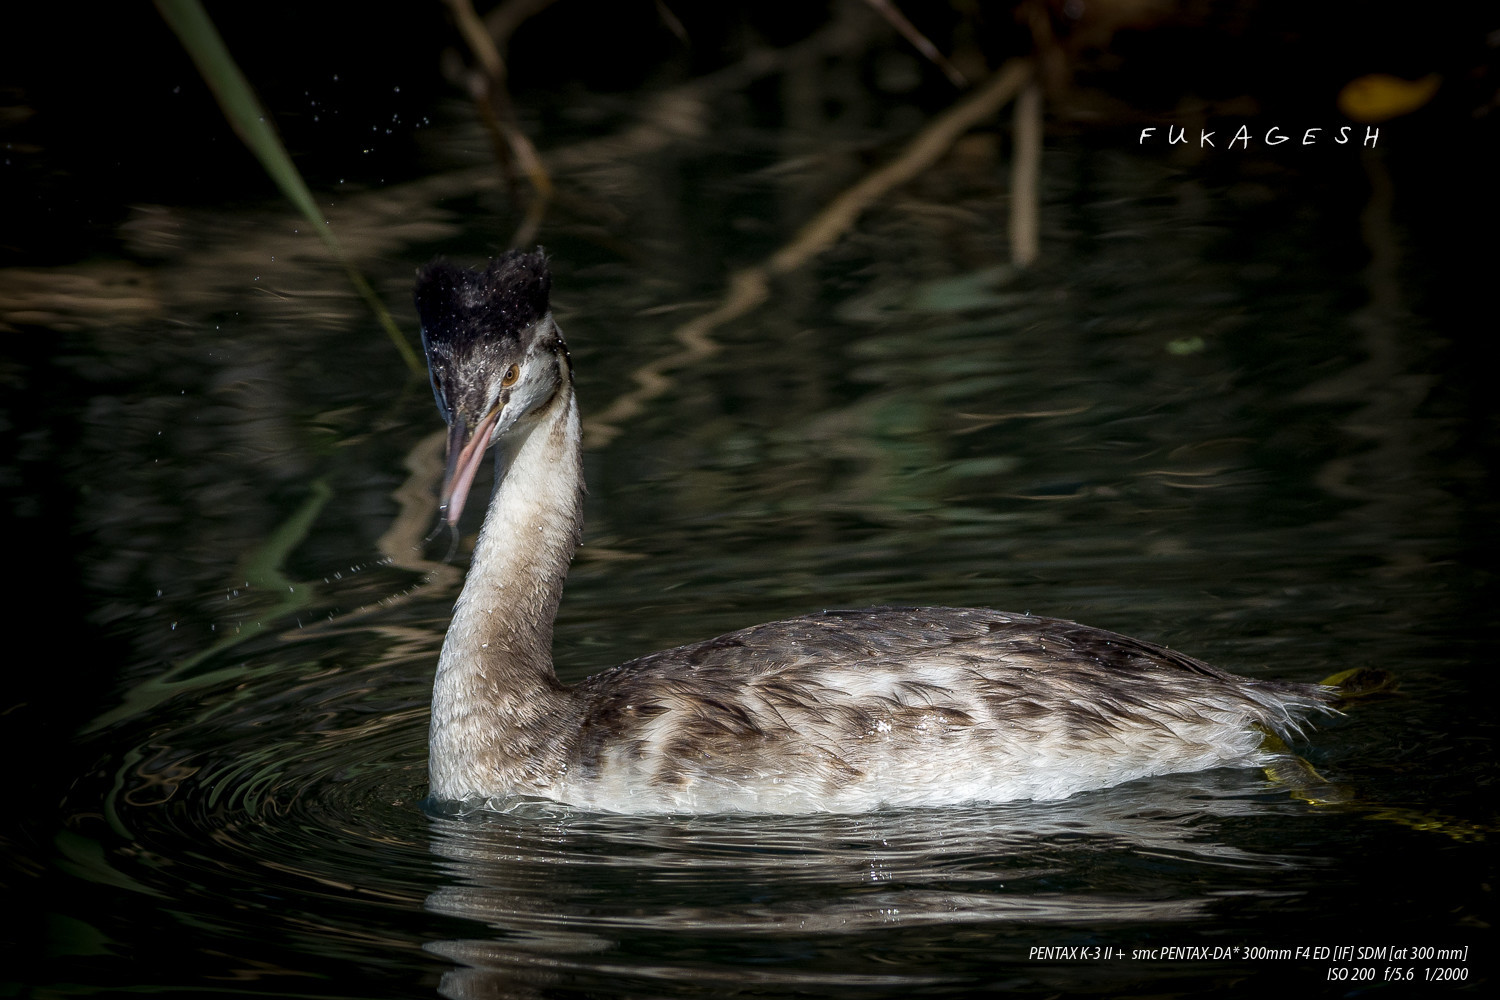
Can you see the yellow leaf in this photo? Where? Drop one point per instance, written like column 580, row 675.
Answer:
column 1380, row 96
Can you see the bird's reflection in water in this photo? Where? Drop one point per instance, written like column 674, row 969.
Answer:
column 803, row 902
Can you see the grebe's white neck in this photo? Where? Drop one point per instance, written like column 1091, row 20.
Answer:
column 497, row 703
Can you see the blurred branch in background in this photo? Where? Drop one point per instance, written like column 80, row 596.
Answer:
column 1025, row 175
column 919, row 41
column 486, row 83
column 749, row 287
column 252, row 124
column 503, row 21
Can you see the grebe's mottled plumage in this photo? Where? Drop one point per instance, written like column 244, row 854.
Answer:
column 843, row 711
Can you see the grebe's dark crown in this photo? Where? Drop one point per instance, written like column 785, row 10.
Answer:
column 460, row 307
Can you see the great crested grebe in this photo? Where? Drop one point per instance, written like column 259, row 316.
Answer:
column 843, row 711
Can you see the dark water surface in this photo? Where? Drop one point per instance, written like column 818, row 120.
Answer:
column 1222, row 414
